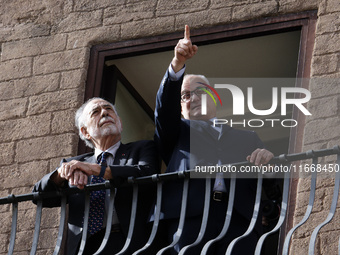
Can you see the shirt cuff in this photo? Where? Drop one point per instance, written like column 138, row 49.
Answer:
column 175, row 76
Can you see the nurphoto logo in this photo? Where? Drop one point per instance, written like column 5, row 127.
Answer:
column 239, row 99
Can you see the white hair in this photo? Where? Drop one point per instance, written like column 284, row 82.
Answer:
column 192, row 76
column 80, row 119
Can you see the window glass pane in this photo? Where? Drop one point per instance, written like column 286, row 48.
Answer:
column 137, row 124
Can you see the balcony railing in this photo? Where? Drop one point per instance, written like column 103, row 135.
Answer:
column 15, row 200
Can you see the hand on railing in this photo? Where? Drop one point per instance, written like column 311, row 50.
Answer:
column 260, row 157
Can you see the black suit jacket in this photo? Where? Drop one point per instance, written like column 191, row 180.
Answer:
column 133, row 159
column 185, row 144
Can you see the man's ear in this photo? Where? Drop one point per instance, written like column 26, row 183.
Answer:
column 182, row 116
column 83, row 130
column 121, row 124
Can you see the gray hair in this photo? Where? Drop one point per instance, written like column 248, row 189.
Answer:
column 80, row 120
column 202, row 77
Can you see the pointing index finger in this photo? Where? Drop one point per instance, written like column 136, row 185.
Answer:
column 187, row 32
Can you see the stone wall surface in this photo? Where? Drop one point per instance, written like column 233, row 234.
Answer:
column 321, row 131
column 45, row 47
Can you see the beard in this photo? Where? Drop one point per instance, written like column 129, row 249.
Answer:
column 112, row 128
column 108, row 130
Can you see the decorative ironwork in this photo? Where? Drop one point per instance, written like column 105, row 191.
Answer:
column 160, row 179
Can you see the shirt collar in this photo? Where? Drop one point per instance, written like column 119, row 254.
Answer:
column 113, row 149
column 216, row 127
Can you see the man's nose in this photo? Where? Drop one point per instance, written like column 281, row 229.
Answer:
column 104, row 112
column 194, row 97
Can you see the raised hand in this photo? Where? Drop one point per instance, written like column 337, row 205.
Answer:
column 184, row 50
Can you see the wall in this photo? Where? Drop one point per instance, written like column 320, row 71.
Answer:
column 45, row 49
column 322, row 130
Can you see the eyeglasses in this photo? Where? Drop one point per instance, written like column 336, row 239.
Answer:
column 186, row 96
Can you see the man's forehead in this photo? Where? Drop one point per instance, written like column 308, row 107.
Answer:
column 192, row 81
column 97, row 103
column 192, row 85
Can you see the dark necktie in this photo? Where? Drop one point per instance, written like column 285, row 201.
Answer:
column 219, row 182
column 97, row 200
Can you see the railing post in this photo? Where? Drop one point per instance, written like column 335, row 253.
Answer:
column 254, row 217
column 182, row 215
column 132, row 218
column 37, row 228
column 157, row 215
column 331, row 212
column 108, row 218
column 86, row 222
column 309, row 208
column 14, row 223
column 227, row 217
column 204, row 218
column 61, row 224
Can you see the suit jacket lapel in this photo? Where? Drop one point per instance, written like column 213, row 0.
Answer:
column 204, row 127
column 224, row 129
column 91, row 159
column 121, row 155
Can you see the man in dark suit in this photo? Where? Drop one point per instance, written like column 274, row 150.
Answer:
column 189, row 142
column 100, row 127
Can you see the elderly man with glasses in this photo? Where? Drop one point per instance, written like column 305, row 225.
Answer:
column 186, row 139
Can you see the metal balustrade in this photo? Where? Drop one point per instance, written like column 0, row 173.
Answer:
column 160, row 179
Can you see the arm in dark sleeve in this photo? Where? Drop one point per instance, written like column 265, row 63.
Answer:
column 257, row 141
column 142, row 160
column 47, row 185
column 168, row 115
